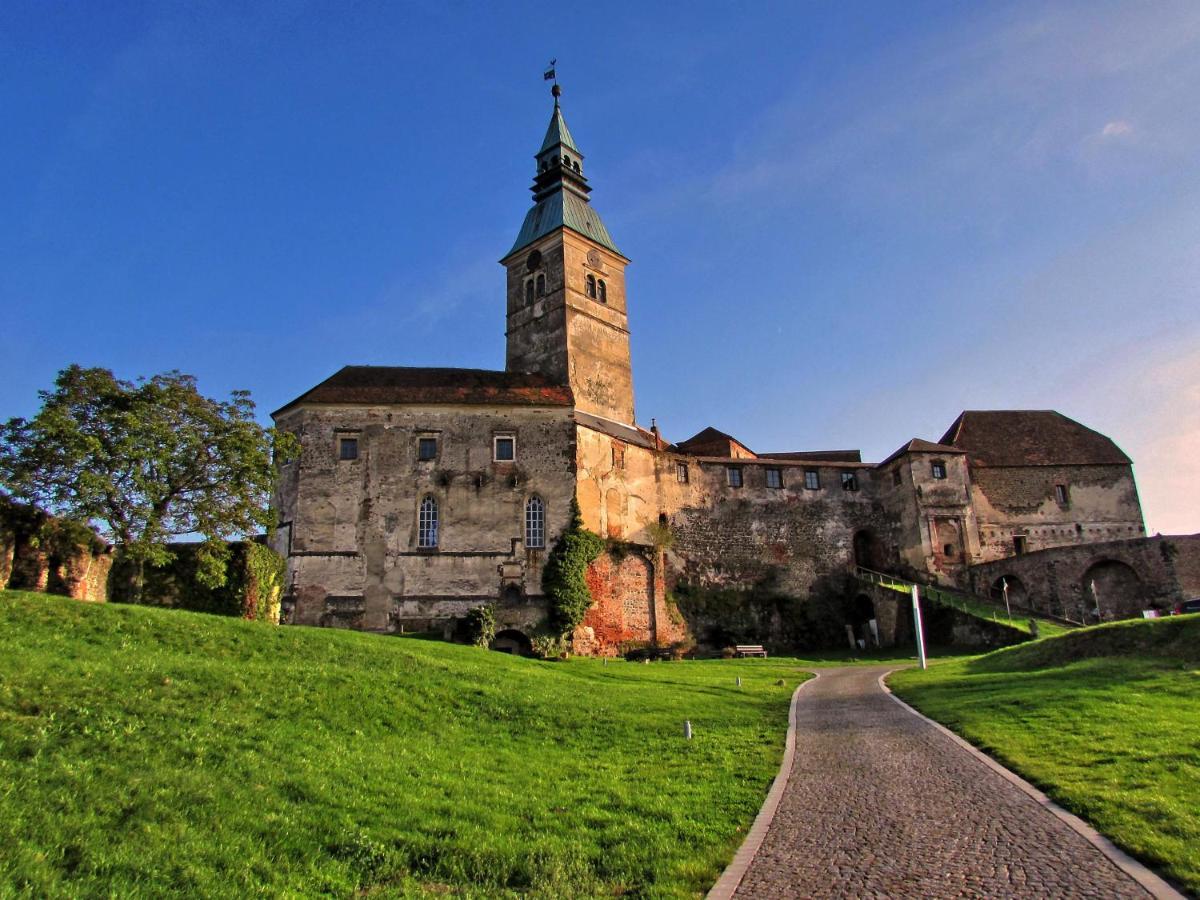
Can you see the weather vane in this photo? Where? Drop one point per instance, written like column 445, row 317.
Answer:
column 551, row 75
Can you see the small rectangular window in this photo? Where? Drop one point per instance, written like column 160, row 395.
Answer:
column 681, row 473
column 733, row 475
column 1018, row 544
column 774, row 478
column 897, row 478
column 426, row 448
column 939, row 469
column 618, row 456
column 348, row 448
column 504, row 448
column 849, row 481
column 1061, row 495
column 812, row 480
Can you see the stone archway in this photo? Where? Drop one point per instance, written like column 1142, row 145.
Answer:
column 863, row 621
column 867, row 552
column 1018, row 596
column 1111, row 590
column 510, row 640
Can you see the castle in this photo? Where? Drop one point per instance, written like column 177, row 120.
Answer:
column 420, row 493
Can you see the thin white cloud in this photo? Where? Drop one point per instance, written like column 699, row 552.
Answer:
column 1117, row 129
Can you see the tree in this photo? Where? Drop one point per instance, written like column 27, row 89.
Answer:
column 146, row 461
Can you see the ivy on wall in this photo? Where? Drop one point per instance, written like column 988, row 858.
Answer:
column 564, row 579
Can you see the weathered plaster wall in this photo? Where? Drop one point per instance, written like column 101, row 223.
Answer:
column 1020, row 501
column 350, row 527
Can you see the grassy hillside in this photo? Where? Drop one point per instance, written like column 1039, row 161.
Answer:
column 145, row 752
column 1105, row 720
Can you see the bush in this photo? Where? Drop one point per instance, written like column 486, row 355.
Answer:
column 481, row 625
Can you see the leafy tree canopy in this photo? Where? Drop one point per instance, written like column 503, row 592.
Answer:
column 145, row 461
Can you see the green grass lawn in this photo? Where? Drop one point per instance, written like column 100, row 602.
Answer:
column 147, row 752
column 1105, row 720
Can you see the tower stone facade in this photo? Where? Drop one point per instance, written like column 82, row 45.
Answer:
column 567, row 318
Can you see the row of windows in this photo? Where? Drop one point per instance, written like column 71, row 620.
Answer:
column 774, row 477
column 504, row 448
column 595, row 288
column 428, row 523
column 566, row 161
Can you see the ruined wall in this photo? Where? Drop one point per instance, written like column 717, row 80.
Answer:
column 349, row 528
column 1010, row 502
column 42, row 553
column 1130, row 575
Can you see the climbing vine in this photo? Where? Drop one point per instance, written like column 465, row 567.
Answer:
column 564, row 580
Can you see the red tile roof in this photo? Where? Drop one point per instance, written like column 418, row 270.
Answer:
column 1032, row 437
column 405, row 384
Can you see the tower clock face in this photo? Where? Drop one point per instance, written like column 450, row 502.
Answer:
column 534, row 260
column 593, row 259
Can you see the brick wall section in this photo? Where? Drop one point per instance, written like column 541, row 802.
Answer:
column 629, row 603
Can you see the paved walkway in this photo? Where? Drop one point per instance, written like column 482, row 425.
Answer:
column 882, row 804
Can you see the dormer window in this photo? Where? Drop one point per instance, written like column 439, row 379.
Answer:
column 590, row 286
column 602, row 288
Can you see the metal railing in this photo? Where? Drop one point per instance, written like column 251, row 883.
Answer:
column 980, row 607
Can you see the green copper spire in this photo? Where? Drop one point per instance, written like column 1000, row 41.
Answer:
column 558, row 133
column 560, row 190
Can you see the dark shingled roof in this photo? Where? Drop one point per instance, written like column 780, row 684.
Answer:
column 916, row 445
column 1031, row 437
column 710, row 442
column 854, row 456
column 405, row 384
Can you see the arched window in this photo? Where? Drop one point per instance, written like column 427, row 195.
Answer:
column 528, row 291
column 591, row 286
column 575, row 165
column 603, row 288
column 535, row 523
column 541, row 285
column 427, row 523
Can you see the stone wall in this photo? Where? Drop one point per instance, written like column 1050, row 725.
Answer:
column 1102, row 505
column 349, row 527
column 1130, row 575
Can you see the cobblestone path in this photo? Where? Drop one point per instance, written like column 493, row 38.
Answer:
column 881, row 804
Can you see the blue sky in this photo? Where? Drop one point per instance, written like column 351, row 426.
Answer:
column 848, row 222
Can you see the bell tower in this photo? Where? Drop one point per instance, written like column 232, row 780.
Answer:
column 566, row 286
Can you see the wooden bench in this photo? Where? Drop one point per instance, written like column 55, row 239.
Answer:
column 750, row 650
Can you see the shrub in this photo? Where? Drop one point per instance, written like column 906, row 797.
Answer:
column 564, row 580
column 481, row 625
